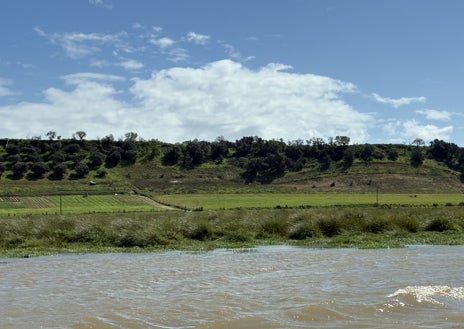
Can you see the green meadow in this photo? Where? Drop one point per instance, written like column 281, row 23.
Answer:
column 73, row 204
column 284, row 200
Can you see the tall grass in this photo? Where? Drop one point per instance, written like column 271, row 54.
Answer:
column 353, row 227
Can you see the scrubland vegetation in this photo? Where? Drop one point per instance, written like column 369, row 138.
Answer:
column 76, row 195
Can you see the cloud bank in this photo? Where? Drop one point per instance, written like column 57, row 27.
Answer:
column 222, row 98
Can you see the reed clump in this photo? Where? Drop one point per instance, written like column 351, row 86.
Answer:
column 334, row 226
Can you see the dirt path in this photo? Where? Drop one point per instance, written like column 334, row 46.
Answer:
column 157, row 204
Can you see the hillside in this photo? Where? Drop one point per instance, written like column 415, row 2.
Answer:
column 251, row 164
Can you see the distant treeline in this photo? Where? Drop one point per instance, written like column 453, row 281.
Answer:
column 260, row 160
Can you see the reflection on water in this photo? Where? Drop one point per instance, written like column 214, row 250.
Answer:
column 266, row 287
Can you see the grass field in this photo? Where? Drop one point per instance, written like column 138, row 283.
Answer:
column 74, row 204
column 271, row 200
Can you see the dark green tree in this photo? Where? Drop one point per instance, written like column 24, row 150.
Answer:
column 417, row 158
column 172, row 155
column 81, row 170
column 19, row 169
column 39, row 169
column 59, row 171
column 114, row 157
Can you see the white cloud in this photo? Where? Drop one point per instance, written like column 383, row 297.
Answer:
column 435, row 114
column 222, row 98
column 412, row 129
column 163, row 42
column 77, row 45
column 199, row 39
column 5, row 87
column 101, row 3
column 131, row 64
column 397, row 102
column 225, row 98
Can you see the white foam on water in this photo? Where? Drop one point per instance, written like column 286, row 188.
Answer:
column 429, row 294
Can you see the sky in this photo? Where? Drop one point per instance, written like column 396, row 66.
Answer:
column 384, row 71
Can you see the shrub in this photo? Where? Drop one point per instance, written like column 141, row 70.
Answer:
column 409, row 224
column 329, row 227
column 275, row 226
column 303, row 230
column 377, row 225
column 200, row 231
column 439, row 225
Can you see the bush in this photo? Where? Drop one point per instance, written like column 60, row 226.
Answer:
column 200, row 231
column 409, row 224
column 439, row 225
column 275, row 226
column 377, row 225
column 329, row 227
column 303, row 230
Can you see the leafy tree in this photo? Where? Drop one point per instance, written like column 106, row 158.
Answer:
column 114, row 157
column 418, row 142
column 417, row 158
column 172, row 155
column 131, row 136
column 12, row 149
column 39, row 169
column 19, row 169
column 58, row 157
column 348, row 158
column 219, row 148
column 342, row 140
column 366, row 153
column 392, row 155
column 2, row 169
column 81, row 170
column 59, row 170
column 107, row 143
column 72, row 148
column 96, row 159
column 198, row 151
column 80, row 134
column 129, row 156
column 51, row 135
column 12, row 159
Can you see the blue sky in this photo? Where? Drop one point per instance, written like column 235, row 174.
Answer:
column 384, row 71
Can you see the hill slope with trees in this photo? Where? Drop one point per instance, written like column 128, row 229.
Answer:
column 52, row 165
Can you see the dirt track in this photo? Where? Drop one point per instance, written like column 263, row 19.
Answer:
column 157, row 204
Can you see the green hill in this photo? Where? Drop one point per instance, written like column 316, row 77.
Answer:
column 251, row 164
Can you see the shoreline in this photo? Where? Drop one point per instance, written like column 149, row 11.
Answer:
column 340, row 227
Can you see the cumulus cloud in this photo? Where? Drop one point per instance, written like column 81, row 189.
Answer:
column 435, row 114
column 406, row 131
column 225, row 98
column 398, row 102
column 413, row 129
column 222, row 98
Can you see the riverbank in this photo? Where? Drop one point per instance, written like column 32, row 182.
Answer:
column 340, row 227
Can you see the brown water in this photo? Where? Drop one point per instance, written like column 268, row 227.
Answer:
column 266, row 287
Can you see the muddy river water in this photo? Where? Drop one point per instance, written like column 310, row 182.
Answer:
column 264, row 287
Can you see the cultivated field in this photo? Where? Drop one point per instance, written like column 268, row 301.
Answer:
column 75, row 204
column 272, row 200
